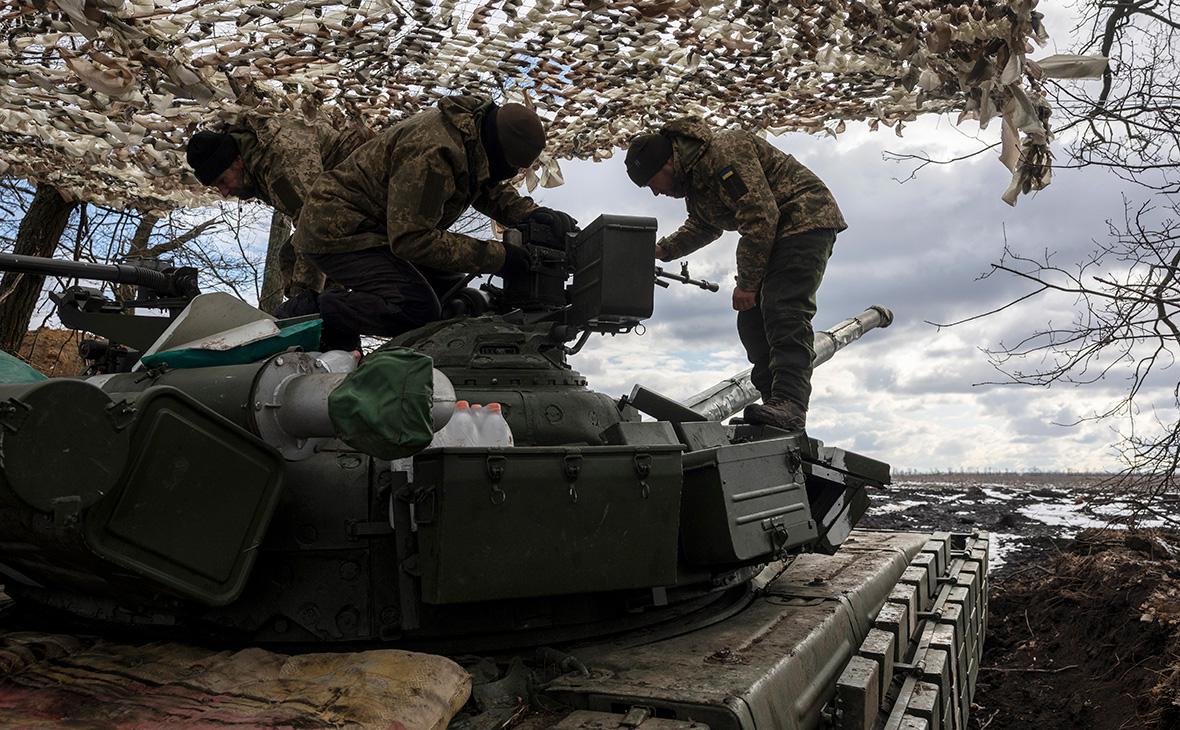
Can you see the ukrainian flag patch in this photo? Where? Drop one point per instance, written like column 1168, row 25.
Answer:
column 731, row 182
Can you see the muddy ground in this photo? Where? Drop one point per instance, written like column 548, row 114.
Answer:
column 52, row 351
column 1084, row 629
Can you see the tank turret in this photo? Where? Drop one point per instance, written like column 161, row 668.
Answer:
column 234, row 500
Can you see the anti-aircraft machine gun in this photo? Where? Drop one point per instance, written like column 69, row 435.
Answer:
column 690, row 573
column 165, row 288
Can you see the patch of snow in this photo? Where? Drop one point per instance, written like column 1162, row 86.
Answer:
column 1116, row 511
column 884, row 508
column 1061, row 515
column 1001, row 494
column 1003, row 544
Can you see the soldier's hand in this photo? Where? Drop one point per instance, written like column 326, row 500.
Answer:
column 743, row 300
column 661, row 253
column 558, row 222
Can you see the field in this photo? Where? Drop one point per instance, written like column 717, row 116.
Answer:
column 1085, row 609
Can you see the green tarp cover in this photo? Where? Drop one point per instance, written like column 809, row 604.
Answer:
column 15, row 370
column 305, row 335
column 383, row 407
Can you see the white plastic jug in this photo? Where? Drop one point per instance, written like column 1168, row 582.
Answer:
column 460, row 430
column 494, row 428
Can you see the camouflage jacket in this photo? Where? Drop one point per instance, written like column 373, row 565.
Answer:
column 285, row 155
column 407, row 186
column 739, row 181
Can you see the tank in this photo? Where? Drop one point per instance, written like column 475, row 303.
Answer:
column 669, row 569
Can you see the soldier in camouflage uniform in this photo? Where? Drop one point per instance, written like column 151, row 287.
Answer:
column 276, row 160
column 378, row 223
column 787, row 220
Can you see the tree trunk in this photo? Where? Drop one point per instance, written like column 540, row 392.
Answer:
column 39, row 233
column 137, row 250
column 271, row 295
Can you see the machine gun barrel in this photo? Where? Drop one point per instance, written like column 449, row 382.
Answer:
column 180, row 282
column 683, row 278
column 735, row 393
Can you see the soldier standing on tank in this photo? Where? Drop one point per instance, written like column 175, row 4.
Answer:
column 787, row 221
column 377, row 224
column 276, row 160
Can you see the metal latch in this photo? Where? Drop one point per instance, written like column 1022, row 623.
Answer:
column 13, row 414
column 778, row 532
column 496, row 464
column 66, row 510
column 121, row 414
column 571, row 466
column 643, row 469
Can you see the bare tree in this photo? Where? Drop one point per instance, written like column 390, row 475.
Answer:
column 1126, row 291
column 270, row 295
column 219, row 241
column 40, row 230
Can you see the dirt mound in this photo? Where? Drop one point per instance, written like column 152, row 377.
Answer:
column 52, row 351
column 1088, row 638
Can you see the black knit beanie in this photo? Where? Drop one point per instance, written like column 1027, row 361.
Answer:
column 646, row 156
column 210, row 154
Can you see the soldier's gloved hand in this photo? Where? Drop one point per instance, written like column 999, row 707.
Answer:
column 299, row 302
column 558, row 222
column 516, row 261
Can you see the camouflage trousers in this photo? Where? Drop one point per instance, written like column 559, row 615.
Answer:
column 777, row 333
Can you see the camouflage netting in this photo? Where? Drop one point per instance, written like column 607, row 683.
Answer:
column 98, row 97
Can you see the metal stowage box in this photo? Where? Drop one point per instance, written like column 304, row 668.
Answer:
column 614, row 271
column 743, row 502
column 536, row 521
column 190, row 519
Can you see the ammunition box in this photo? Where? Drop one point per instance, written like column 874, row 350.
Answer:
column 495, row 524
column 744, row 503
column 614, row 273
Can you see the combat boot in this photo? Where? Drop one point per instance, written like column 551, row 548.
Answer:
column 778, row 412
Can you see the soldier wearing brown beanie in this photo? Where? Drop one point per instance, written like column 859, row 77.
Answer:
column 378, row 224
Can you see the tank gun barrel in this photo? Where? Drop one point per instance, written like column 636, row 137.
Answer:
column 180, row 282
column 735, row 393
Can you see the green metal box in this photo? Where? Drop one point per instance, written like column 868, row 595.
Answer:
column 514, row 523
column 613, row 272
column 194, row 503
column 744, row 502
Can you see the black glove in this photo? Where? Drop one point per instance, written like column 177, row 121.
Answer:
column 516, row 261
column 558, row 222
column 302, row 301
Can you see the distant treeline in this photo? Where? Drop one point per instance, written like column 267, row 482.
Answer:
column 969, row 471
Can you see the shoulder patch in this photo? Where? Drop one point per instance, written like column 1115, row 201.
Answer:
column 431, row 203
column 731, row 182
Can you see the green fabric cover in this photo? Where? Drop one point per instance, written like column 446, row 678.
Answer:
column 383, row 407
column 15, row 370
column 305, row 335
